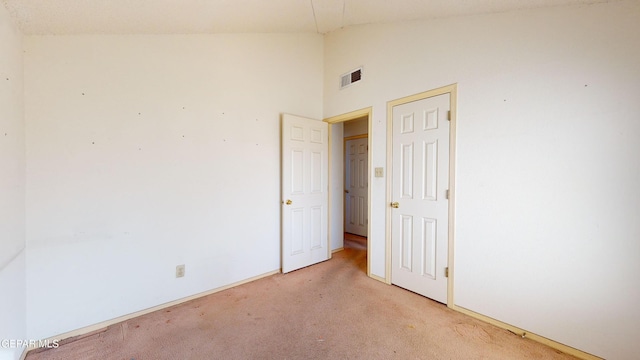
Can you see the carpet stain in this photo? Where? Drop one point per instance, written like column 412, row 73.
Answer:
column 358, row 318
column 473, row 332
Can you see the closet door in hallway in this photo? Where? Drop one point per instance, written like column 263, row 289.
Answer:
column 356, row 186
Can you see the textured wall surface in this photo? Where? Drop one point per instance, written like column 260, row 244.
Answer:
column 547, row 195
column 73, row 17
column 146, row 152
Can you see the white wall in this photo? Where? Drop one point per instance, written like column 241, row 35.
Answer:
column 12, row 176
column 548, row 202
column 145, row 152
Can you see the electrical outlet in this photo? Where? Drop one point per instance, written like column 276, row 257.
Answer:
column 180, row 271
column 379, row 172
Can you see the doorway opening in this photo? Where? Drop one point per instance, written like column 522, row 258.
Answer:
column 349, row 175
column 356, row 172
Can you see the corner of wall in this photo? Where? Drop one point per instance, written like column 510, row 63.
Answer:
column 12, row 191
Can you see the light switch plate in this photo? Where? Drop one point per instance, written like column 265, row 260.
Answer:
column 180, row 271
column 379, row 172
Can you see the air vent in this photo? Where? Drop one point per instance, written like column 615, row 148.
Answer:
column 350, row 78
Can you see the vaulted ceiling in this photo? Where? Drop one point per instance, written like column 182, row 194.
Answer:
column 225, row 16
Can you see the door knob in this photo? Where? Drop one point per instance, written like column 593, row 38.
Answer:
column 289, row 202
column 395, row 205
column 346, row 191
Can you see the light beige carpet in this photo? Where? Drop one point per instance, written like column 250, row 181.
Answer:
column 328, row 311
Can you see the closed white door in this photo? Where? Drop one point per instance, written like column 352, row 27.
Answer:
column 420, row 179
column 304, row 192
column 356, row 186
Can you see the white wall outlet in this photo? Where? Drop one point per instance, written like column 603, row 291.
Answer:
column 379, row 172
column 180, row 271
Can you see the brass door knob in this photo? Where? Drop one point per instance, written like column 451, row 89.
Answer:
column 395, row 204
column 289, row 202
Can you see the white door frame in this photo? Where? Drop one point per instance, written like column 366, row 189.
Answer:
column 453, row 91
column 366, row 112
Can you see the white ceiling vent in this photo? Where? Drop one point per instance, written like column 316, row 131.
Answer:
column 350, row 78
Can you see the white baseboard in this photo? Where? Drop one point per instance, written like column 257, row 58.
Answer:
column 104, row 324
column 529, row 335
column 381, row 279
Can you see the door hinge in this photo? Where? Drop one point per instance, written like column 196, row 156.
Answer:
column 447, row 194
column 449, row 115
column 446, row 272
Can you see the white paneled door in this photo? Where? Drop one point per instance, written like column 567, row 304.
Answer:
column 420, row 178
column 304, row 192
column 356, row 186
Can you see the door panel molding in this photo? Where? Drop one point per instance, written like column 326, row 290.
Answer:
column 452, row 90
column 304, row 169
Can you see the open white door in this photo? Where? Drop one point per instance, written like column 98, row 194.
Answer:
column 304, row 192
column 420, row 182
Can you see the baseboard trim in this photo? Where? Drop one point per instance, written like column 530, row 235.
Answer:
column 529, row 335
column 381, row 279
column 104, row 324
column 513, row 329
column 337, row 250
